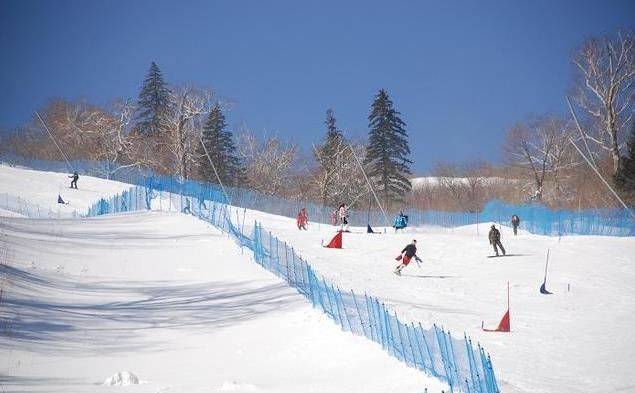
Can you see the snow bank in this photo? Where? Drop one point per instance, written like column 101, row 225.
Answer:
column 122, row 378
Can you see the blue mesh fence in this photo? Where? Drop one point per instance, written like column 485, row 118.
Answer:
column 535, row 218
column 25, row 208
column 434, row 351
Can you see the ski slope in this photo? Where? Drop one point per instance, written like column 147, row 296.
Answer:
column 577, row 340
column 165, row 300
column 42, row 189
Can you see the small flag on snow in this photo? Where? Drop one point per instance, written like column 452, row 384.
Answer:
column 60, row 200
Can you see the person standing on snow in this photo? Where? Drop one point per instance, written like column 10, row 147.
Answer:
column 343, row 212
column 401, row 221
column 495, row 239
column 75, row 177
column 515, row 223
column 406, row 255
column 303, row 219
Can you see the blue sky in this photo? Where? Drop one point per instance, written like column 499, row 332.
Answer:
column 460, row 72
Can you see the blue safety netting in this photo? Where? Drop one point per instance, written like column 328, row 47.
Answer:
column 463, row 366
column 535, row 218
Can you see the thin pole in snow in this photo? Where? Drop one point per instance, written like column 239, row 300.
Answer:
column 590, row 161
column 602, row 178
column 507, row 295
column 370, row 185
column 546, row 264
column 200, row 138
column 54, row 141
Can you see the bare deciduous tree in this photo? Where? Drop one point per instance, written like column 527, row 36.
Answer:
column 268, row 163
column 539, row 148
column 605, row 88
column 182, row 127
column 338, row 177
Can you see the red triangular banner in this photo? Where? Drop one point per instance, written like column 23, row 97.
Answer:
column 336, row 242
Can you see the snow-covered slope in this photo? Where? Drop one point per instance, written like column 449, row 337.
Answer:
column 576, row 340
column 160, row 302
column 174, row 302
column 42, row 188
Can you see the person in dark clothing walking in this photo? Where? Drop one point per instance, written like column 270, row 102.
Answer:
column 515, row 223
column 406, row 255
column 495, row 240
column 75, row 177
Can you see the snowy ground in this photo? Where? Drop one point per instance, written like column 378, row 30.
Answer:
column 42, row 188
column 576, row 340
column 173, row 301
column 167, row 298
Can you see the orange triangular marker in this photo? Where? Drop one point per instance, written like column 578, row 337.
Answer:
column 336, row 242
column 505, row 324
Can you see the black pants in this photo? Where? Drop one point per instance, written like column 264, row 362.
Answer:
column 515, row 229
column 499, row 244
column 74, row 184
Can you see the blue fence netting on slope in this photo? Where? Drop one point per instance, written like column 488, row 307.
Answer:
column 535, row 218
column 456, row 361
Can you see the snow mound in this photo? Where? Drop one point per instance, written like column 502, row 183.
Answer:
column 233, row 386
column 123, row 378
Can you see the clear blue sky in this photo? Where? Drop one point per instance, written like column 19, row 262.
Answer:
column 459, row 71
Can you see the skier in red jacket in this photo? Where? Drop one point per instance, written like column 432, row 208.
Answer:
column 303, row 219
column 406, row 255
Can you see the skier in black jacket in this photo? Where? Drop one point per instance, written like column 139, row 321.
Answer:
column 75, row 177
column 406, row 255
column 495, row 240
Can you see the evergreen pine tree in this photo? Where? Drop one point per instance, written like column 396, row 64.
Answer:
column 222, row 151
column 326, row 154
column 625, row 176
column 334, row 139
column 153, row 102
column 387, row 151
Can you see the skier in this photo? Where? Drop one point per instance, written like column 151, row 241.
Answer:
column 75, row 177
column 495, row 239
column 303, row 219
column 343, row 212
column 515, row 223
column 406, row 255
column 401, row 221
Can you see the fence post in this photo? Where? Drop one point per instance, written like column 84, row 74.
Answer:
column 350, row 327
column 359, row 314
column 403, row 348
column 372, row 323
column 441, row 343
column 423, row 360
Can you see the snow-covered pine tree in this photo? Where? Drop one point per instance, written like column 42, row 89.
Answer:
column 221, row 148
column 625, row 176
column 387, row 151
column 153, row 103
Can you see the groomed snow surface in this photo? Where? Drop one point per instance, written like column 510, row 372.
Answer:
column 171, row 300
column 160, row 302
column 579, row 339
